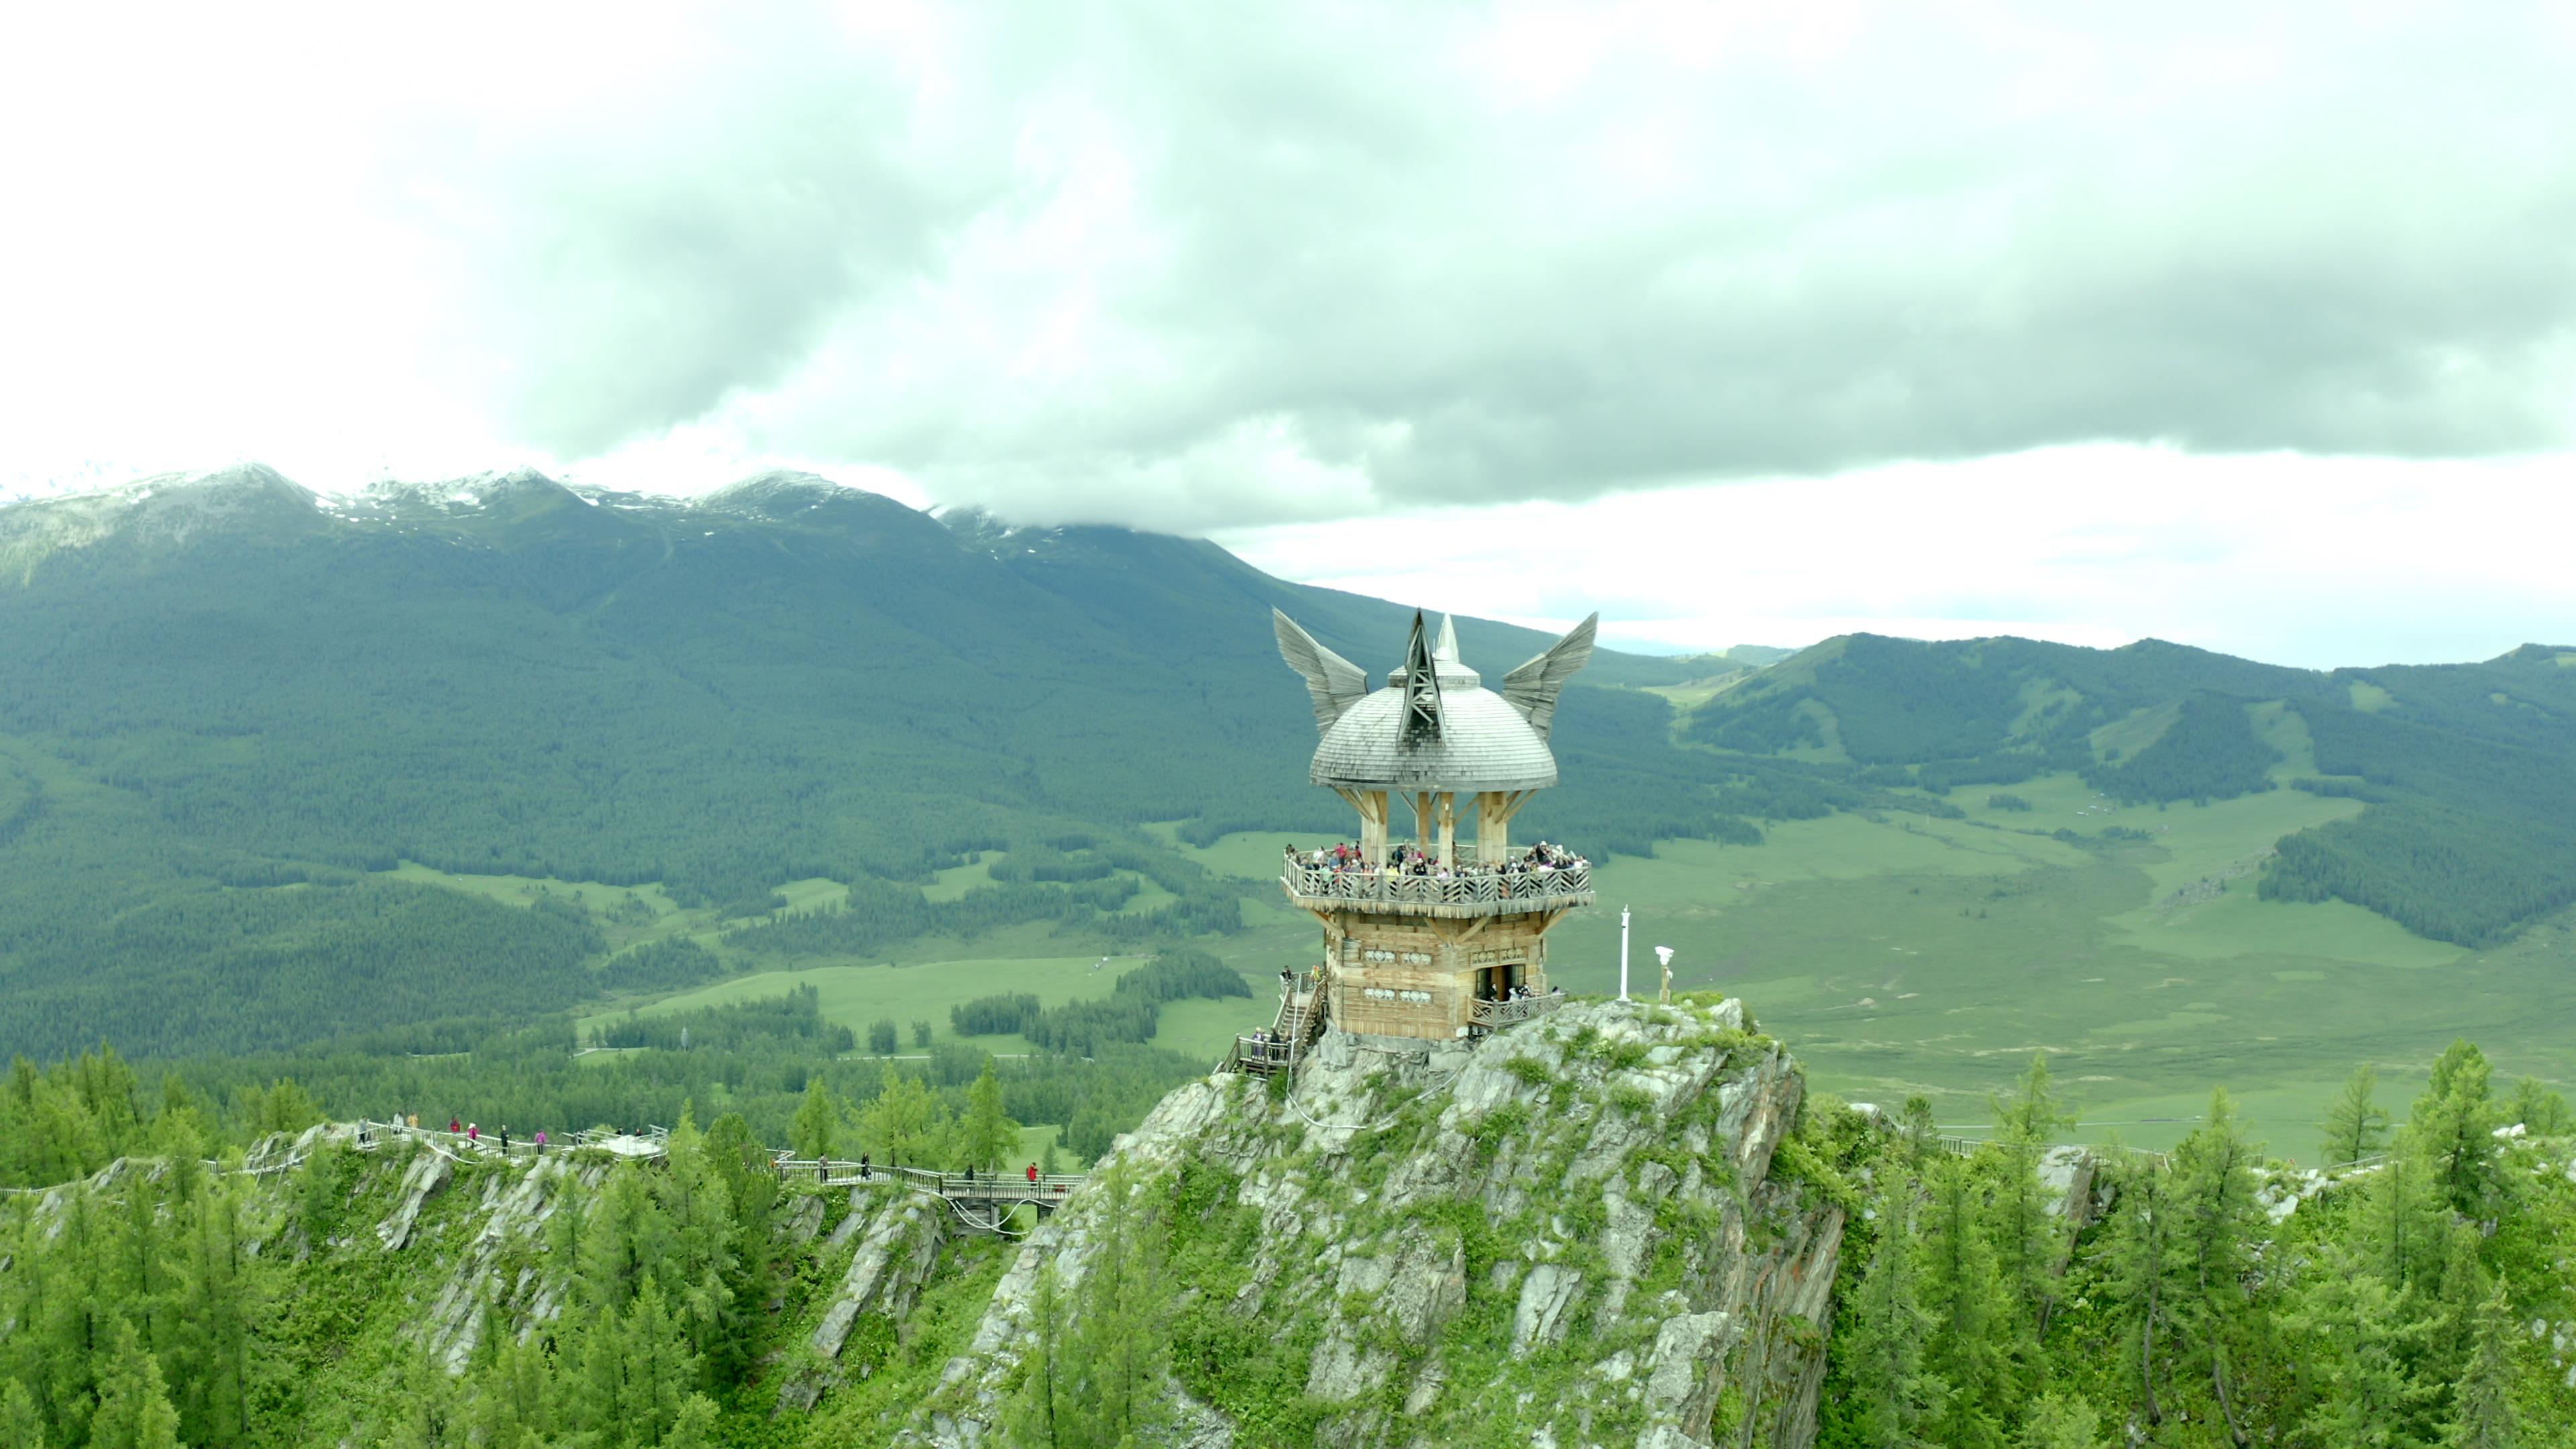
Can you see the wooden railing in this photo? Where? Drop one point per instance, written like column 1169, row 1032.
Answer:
column 1475, row 893
column 1299, row 1021
column 1046, row 1189
column 1492, row 1015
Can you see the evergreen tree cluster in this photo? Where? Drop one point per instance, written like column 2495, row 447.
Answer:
column 2175, row 1307
column 759, row 1061
column 999, row 1015
column 2209, row 752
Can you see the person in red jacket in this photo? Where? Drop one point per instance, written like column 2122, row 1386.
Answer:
column 1033, row 1174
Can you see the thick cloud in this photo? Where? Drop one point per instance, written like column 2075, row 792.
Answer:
column 1185, row 265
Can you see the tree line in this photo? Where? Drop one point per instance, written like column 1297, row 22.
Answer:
column 2176, row 1300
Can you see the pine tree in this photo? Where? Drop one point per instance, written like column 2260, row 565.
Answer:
column 2216, row 1221
column 1892, row 1394
column 2452, row 1131
column 2061, row 1421
column 2482, row 1412
column 695, row 1428
column 1121, row 1331
column 660, row 1372
column 2401, row 1228
column 21, row 1426
column 2141, row 1265
column 991, row 1137
column 1043, row 1411
column 2542, row 1112
column 2356, row 1125
column 905, row 1125
column 816, row 1116
column 133, row 1403
column 1960, row 1291
column 626, row 1237
column 2028, row 1238
column 699, row 1266
column 2357, row 1338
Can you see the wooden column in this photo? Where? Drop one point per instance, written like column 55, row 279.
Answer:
column 1494, row 812
column 1371, row 804
column 1448, row 830
column 1422, row 821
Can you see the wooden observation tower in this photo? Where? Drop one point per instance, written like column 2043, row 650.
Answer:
column 1431, row 939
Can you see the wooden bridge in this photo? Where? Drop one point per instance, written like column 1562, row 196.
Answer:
column 981, row 1201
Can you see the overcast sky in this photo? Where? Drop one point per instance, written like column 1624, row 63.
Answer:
column 2248, row 326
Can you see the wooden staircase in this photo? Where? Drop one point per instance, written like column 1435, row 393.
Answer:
column 1299, row 1021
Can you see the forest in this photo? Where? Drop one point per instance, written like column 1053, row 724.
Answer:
column 2186, row 1300
column 229, row 713
column 2197, row 1298
column 763, row 1061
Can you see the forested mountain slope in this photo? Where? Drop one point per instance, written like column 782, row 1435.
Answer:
column 2469, row 769
column 228, row 708
column 225, row 703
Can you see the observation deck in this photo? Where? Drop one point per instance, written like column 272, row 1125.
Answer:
column 1459, row 896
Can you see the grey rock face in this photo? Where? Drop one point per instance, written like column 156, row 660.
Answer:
column 899, row 1235
column 1585, row 1200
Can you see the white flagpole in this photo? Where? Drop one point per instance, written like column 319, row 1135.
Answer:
column 1623, row 953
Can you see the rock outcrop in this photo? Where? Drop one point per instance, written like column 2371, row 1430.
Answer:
column 899, row 1234
column 1571, row 1234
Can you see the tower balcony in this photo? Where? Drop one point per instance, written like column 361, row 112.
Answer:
column 1474, row 891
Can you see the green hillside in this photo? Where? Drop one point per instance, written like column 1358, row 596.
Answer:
column 278, row 770
column 2468, row 770
column 250, row 740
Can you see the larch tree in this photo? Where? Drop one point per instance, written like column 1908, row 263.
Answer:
column 991, row 1137
column 2482, row 1411
column 816, row 1116
column 1892, row 1394
column 2356, row 1125
column 133, row 1401
column 2216, row 1221
column 1960, row 1290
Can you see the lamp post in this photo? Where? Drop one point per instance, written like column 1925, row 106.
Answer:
column 1665, row 955
column 1623, row 953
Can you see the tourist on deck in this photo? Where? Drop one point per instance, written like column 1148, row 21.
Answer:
column 474, row 1134
column 541, row 1142
column 865, row 1171
column 1033, row 1174
column 505, row 1139
column 454, row 1126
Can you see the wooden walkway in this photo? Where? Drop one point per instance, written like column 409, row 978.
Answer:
column 983, row 1202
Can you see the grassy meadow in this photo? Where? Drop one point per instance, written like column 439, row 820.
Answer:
column 1902, row 954
column 1896, row 954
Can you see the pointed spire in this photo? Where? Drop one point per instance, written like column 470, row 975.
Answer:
column 1446, row 651
column 1422, row 688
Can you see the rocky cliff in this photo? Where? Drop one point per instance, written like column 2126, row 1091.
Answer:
column 1572, row 1234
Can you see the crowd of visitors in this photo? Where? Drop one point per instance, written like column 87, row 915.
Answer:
column 1540, row 859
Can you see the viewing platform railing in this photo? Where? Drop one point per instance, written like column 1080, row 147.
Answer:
column 1476, row 893
column 1494, row 1015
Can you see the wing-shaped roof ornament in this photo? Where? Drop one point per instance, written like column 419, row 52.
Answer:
column 1336, row 683
column 1422, row 718
column 1532, row 689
